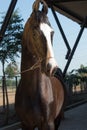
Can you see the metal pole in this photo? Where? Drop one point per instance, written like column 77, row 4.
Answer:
column 7, row 18
column 75, row 46
column 62, row 32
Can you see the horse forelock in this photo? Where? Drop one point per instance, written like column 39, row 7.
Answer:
column 36, row 6
column 39, row 17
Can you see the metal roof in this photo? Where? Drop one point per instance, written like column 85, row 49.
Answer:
column 73, row 9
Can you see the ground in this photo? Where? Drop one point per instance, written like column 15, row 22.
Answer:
column 5, row 116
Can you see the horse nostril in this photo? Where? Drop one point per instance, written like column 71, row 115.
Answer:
column 51, row 67
column 48, row 67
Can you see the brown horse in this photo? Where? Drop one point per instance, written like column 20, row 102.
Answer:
column 40, row 95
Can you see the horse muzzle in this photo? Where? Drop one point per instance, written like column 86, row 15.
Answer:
column 51, row 66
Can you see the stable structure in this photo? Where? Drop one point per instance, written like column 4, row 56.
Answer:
column 73, row 9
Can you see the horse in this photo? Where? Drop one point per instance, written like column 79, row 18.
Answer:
column 39, row 97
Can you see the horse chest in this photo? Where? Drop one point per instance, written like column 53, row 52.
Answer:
column 46, row 90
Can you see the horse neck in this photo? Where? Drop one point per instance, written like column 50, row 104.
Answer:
column 30, row 79
column 27, row 61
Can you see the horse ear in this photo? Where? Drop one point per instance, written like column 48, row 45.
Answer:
column 36, row 5
column 45, row 7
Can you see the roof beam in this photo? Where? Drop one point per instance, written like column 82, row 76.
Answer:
column 61, row 1
column 7, row 18
column 69, row 12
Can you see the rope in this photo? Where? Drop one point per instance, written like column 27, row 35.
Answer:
column 35, row 66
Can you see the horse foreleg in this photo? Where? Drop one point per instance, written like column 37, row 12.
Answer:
column 58, row 121
column 51, row 126
column 47, row 126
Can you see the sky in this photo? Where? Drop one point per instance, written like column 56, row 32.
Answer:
column 71, row 30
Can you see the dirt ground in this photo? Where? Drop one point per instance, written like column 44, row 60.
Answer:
column 11, row 96
column 7, row 117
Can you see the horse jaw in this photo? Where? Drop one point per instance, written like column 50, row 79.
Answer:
column 51, row 63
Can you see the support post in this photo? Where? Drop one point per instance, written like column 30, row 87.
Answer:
column 62, row 32
column 7, row 18
column 75, row 46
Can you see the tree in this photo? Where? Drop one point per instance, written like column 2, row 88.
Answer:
column 77, row 76
column 82, row 73
column 11, row 70
column 11, row 43
column 10, row 46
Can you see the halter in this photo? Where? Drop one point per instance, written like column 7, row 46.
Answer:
column 34, row 66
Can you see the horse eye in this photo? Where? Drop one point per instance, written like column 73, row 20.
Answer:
column 35, row 34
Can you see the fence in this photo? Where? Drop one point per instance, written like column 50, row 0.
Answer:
column 76, row 92
column 7, row 98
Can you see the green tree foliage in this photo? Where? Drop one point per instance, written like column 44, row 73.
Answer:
column 76, row 76
column 11, row 70
column 11, row 43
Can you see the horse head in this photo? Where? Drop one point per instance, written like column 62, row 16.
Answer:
column 38, row 35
